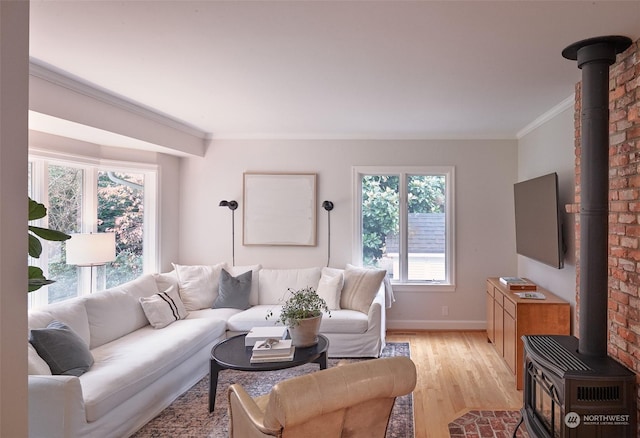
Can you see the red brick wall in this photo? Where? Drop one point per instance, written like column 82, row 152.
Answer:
column 624, row 207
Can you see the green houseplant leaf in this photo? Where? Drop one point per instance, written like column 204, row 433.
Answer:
column 36, row 210
column 36, row 276
column 37, row 279
column 47, row 234
column 301, row 304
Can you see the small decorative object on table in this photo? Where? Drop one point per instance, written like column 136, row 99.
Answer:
column 302, row 314
column 260, row 334
column 531, row 295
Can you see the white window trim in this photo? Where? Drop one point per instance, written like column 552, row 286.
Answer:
column 403, row 171
column 92, row 166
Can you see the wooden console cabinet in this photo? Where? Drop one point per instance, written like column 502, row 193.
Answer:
column 510, row 317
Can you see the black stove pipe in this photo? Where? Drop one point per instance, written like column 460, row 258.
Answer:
column 594, row 57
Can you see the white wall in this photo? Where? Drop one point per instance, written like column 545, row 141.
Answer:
column 485, row 173
column 550, row 148
column 14, row 58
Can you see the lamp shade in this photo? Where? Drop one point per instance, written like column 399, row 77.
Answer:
column 92, row 249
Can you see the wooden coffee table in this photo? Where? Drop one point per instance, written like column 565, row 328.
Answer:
column 231, row 354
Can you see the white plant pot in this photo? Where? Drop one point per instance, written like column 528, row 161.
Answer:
column 305, row 333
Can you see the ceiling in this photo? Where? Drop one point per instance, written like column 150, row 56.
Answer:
column 330, row 69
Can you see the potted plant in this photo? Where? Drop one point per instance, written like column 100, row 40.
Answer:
column 302, row 314
column 38, row 211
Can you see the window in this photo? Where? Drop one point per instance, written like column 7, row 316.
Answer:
column 85, row 196
column 405, row 223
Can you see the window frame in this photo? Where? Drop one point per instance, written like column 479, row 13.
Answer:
column 40, row 160
column 403, row 172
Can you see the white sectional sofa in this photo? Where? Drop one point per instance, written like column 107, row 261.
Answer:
column 138, row 370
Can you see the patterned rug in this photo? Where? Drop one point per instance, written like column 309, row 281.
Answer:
column 487, row 424
column 189, row 416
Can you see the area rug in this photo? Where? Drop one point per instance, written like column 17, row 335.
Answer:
column 189, row 416
column 487, row 424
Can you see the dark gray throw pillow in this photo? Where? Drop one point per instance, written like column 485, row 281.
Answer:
column 62, row 349
column 233, row 291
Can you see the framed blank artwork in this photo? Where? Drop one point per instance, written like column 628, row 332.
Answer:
column 279, row 209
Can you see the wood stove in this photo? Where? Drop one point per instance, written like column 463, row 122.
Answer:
column 572, row 388
column 568, row 394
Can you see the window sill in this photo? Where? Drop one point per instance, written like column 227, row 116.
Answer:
column 423, row 287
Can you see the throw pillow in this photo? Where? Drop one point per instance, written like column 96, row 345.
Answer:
column 62, row 349
column 330, row 288
column 360, row 287
column 234, row 291
column 163, row 308
column 255, row 269
column 198, row 285
column 36, row 365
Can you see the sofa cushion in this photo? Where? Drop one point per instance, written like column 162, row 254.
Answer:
column 255, row 279
column 330, row 287
column 165, row 280
column 36, row 365
column 163, row 308
column 70, row 312
column 360, row 287
column 143, row 286
column 129, row 364
column 198, row 284
column 223, row 314
column 62, row 349
column 234, row 291
column 344, row 321
column 113, row 313
column 255, row 316
column 274, row 283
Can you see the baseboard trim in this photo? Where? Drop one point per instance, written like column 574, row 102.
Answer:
column 435, row 325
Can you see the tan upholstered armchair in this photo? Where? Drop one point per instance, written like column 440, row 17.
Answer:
column 353, row 400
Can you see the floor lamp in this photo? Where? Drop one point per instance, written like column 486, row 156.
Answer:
column 232, row 206
column 92, row 249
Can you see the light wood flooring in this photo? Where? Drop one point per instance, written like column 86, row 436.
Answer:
column 457, row 371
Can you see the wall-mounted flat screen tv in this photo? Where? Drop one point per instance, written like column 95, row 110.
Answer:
column 538, row 220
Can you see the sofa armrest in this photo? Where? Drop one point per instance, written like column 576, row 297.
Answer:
column 376, row 310
column 247, row 417
column 56, row 406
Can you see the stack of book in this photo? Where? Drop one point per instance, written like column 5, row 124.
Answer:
column 517, row 283
column 273, row 350
column 259, row 334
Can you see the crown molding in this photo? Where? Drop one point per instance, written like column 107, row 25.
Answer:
column 63, row 79
column 550, row 114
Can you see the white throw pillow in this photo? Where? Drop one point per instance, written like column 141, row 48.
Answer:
column 36, row 364
column 198, row 284
column 275, row 283
column 163, row 308
column 360, row 287
column 330, row 287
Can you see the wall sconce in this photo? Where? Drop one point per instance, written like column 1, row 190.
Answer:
column 328, row 205
column 91, row 249
column 232, row 206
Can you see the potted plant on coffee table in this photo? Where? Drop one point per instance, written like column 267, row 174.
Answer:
column 302, row 314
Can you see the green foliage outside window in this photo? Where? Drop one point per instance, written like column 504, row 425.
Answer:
column 121, row 211
column 380, row 208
